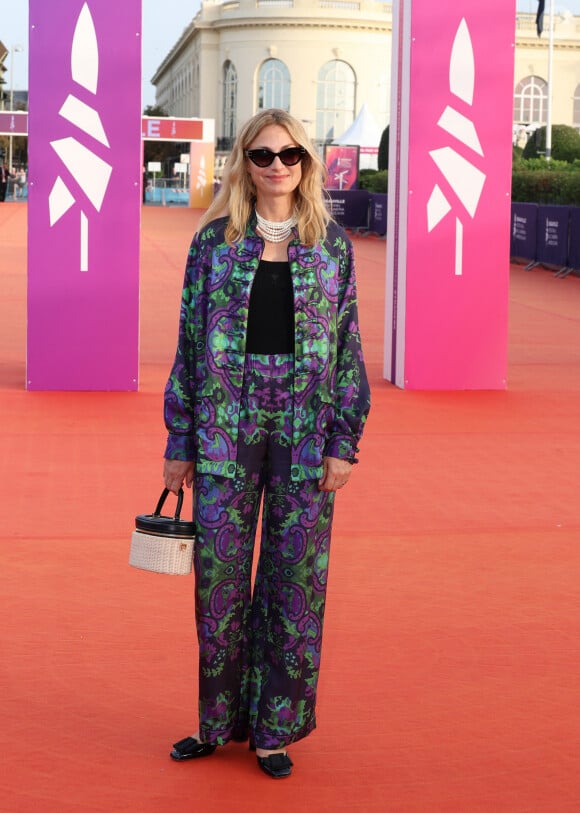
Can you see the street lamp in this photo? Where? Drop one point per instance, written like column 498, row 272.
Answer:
column 16, row 49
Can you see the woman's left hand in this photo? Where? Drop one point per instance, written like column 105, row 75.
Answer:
column 335, row 474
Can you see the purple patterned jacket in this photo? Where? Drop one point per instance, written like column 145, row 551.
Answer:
column 331, row 391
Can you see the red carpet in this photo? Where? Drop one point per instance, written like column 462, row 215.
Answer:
column 450, row 679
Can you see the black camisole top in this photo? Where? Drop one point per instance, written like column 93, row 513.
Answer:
column 271, row 313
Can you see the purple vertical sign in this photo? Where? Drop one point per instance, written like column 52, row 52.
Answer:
column 84, row 204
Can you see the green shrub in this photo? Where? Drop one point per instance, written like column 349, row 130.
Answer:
column 534, row 180
column 373, row 181
column 546, row 186
column 543, row 165
column 565, row 143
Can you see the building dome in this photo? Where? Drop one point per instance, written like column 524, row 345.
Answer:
column 320, row 60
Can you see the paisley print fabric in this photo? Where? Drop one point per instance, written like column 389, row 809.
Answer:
column 331, row 394
column 257, row 429
column 260, row 654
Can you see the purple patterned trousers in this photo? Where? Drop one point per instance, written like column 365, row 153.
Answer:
column 259, row 651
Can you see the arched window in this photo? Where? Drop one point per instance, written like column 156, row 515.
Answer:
column 230, row 100
column 274, row 85
column 576, row 109
column 335, row 100
column 531, row 101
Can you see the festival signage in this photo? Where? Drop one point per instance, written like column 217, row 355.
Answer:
column 552, row 235
column 152, row 129
column 84, row 195
column 449, row 194
column 378, row 213
column 167, row 129
column 523, row 230
column 350, row 208
column 13, row 122
column 201, row 162
column 341, row 166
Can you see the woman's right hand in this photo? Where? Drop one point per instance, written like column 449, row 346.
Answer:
column 175, row 472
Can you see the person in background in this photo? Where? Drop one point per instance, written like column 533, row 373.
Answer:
column 20, row 183
column 4, row 178
column 265, row 404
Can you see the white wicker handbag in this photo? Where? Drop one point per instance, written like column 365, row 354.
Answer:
column 163, row 544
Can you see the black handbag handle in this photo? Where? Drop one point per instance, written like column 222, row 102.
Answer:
column 162, row 499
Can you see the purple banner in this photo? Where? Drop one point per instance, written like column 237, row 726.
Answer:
column 552, row 233
column 84, row 195
column 13, row 123
column 378, row 213
column 350, row 208
column 574, row 249
column 523, row 232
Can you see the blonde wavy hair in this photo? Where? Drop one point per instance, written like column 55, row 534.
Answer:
column 237, row 195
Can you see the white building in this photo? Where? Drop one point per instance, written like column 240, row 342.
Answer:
column 319, row 59
column 323, row 59
column 531, row 72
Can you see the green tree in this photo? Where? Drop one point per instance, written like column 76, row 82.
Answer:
column 383, row 158
column 565, row 143
column 156, row 111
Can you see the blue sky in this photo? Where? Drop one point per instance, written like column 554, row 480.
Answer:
column 163, row 23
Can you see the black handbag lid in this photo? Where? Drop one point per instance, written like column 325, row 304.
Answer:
column 161, row 525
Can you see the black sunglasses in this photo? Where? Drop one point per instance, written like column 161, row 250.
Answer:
column 289, row 157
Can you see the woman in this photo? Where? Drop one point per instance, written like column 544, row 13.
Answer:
column 267, row 399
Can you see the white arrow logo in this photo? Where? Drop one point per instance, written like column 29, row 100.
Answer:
column 201, row 176
column 91, row 172
column 465, row 179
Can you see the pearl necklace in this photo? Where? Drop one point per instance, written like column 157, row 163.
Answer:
column 275, row 232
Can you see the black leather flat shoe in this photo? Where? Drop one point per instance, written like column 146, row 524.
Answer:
column 277, row 766
column 190, row 748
